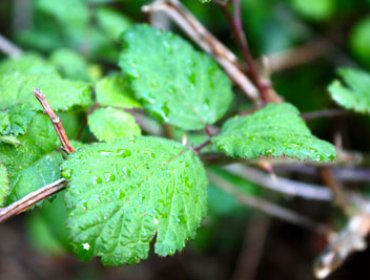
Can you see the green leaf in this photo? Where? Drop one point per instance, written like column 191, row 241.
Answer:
column 32, row 164
column 47, row 228
column 38, row 174
column 112, row 23
column 15, row 119
column 124, row 193
column 114, row 91
column 315, row 9
column 360, row 38
column 66, row 12
column 354, row 94
column 18, row 103
column 175, row 83
column 4, row 184
column 17, row 88
column 27, row 64
column 108, row 124
column 276, row 130
column 70, row 64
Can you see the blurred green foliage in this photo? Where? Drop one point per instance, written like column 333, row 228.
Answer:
column 80, row 41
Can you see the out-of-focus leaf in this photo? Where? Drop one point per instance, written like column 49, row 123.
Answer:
column 315, row 9
column 112, row 23
column 70, row 64
column 360, row 39
column 354, row 94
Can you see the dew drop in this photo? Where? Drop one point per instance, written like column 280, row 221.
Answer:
column 126, row 172
column 86, row 246
column 67, row 173
column 123, row 153
column 97, row 180
column 269, row 152
column 109, row 177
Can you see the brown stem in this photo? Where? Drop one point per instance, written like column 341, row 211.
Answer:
column 264, row 87
column 268, row 207
column 66, row 145
column 31, row 199
column 9, row 48
column 328, row 179
column 201, row 146
column 328, row 113
column 281, row 185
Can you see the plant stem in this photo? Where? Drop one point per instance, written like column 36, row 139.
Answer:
column 201, row 146
column 9, row 48
column 282, row 185
column 268, row 207
column 31, row 199
column 55, row 120
column 264, row 87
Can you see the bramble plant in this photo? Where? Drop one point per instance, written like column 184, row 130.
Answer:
column 124, row 158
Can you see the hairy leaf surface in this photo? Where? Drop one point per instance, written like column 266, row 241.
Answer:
column 108, row 124
column 276, row 130
column 124, row 193
column 175, row 83
column 18, row 103
column 354, row 94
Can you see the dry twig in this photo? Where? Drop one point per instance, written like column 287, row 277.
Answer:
column 9, row 48
column 66, row 144
column 31, row 199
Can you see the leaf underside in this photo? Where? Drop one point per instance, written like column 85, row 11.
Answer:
column 175, row 83
column 128, row 192
column 276, row 130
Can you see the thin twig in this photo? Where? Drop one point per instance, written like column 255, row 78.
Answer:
column 297, row 56
column 9, row 48
column 282, row 185
column 66, row 145
column 235, row 21
column 328, row 113
column 31, row 199
column 268, row 207
column 252, row 251
column 201, row 146
column 200, row 35
column 327, row 176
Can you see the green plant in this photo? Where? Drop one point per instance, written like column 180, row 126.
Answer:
column 124, row 185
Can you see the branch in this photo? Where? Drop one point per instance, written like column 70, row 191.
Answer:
column 200, row 35
column 296, row 56
column 282, row 185
column 66, row 145
column 268, row 207
column 31, row 199
column 9, row 48
column 328, row 113
column 264, row 87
